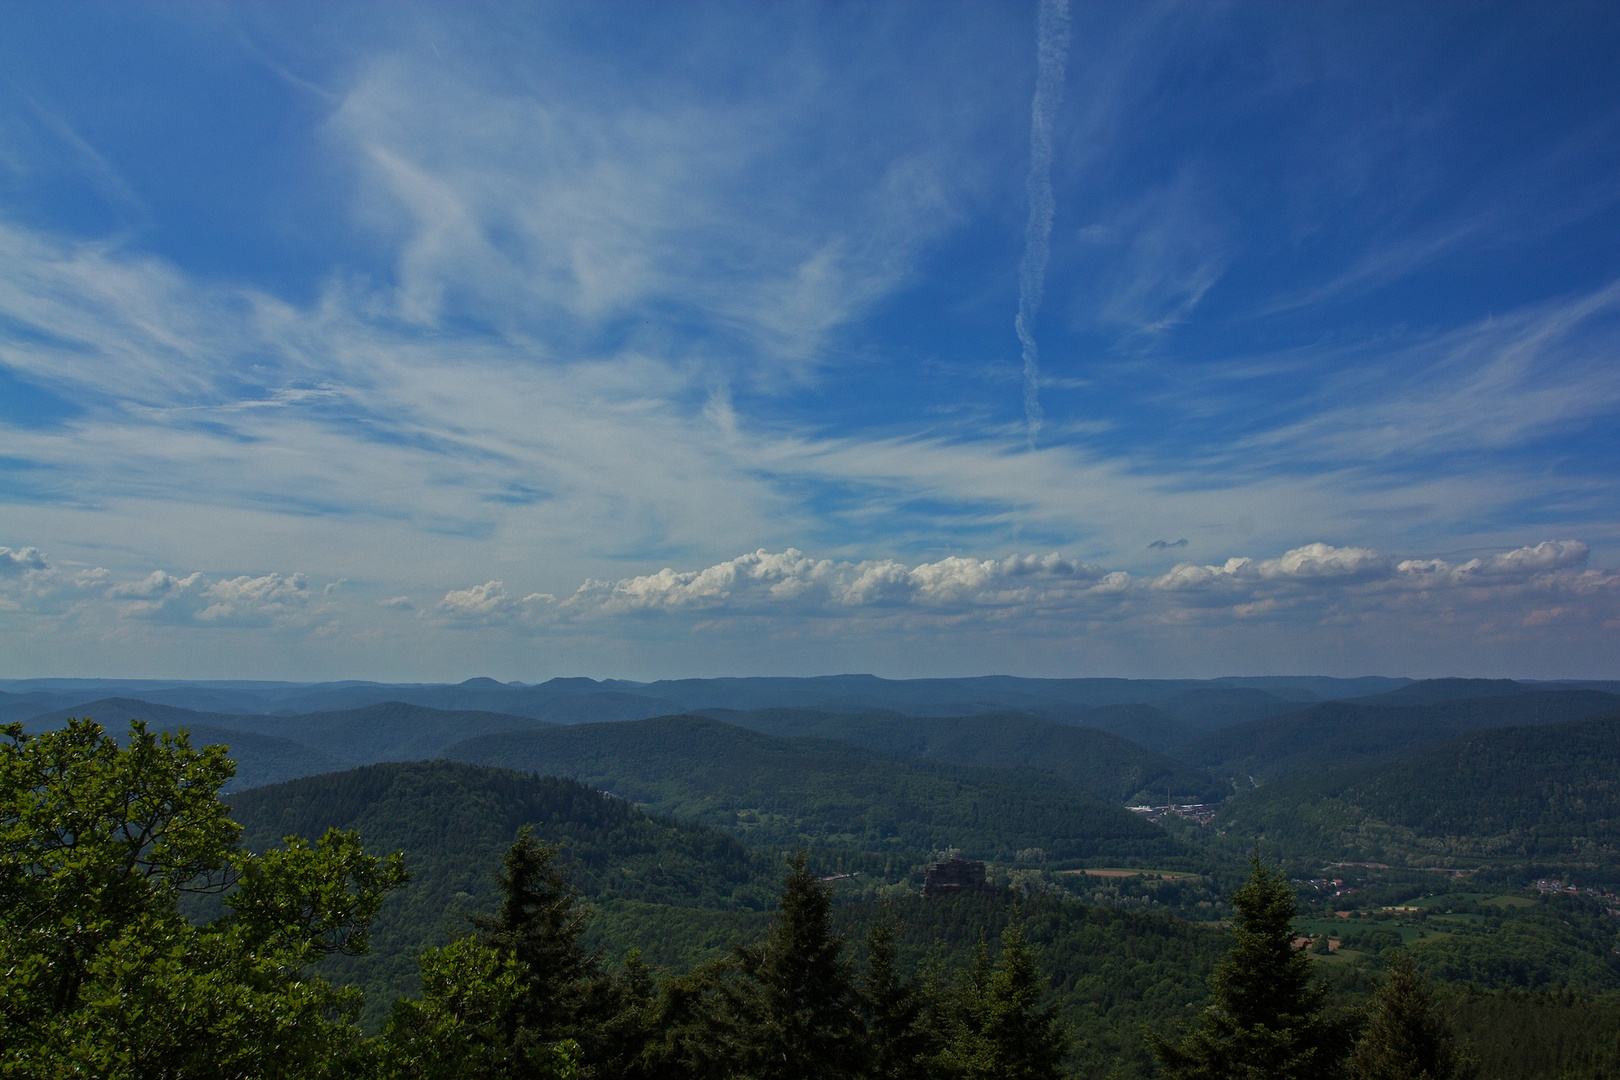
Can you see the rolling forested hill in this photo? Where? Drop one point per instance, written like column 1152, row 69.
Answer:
column 114, row 714
column 1104, row 764
column 1431, row 691
column 1547, row 795
column 390, row 731
column 1340, row 734
column 260, row 759
column 775, row 791
column 454, row 822
column 1147, row 727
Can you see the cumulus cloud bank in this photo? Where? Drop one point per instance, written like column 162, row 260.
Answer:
column 1529, row 586
column 274, row 601
column 1548, row 584
column 15, row 562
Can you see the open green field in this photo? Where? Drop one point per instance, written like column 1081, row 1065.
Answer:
column 1125, row 872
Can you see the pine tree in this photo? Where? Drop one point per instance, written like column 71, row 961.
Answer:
column 539, row 923
column 1266, row 1020
column 795, row 1008
column 1406, row 1038
column 1003, row 1030
column 902, row 1033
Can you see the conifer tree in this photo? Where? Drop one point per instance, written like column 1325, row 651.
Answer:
column 566, row 995
column 538, row 923
column 1003, row 1030
column 1405, row 1037
column 1266, row 1020
column 795, row 1008
column 903, row 1035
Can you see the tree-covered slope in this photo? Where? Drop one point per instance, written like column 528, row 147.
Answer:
column 1433, row 691
column 1208, row 708
column 1341, row 734
column 783, row 792
column 1144, row 725
column 455, row 821
column 262, row 759
column 1102, row 763
column 1548, row 794
column 1111, row 971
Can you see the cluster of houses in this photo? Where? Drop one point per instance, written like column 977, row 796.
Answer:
column 1324, row 887
column 1203, row 813
column 1554, row 887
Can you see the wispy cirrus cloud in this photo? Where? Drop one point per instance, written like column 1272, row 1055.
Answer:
column 579, row 305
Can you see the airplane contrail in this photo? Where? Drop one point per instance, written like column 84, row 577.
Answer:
column 1051, row 56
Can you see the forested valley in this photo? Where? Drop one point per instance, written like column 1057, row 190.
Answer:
column 767, row 881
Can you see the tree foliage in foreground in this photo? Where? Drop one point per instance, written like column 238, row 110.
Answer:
column 104, row 978
column 1405, row 1036
column 791, row 1006
column 1267, row 1017
column 102, row 975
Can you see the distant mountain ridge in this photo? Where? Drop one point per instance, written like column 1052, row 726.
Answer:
column 260, row 758
column 567, row 700
column 271, row 749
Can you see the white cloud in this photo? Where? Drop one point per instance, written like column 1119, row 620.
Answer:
column 537, row 207
column 96, row 596
column 575, row 292
column 1313, row 561
column 790, row 581
column 489, row 604
column 1050, row 592
column 16, row 562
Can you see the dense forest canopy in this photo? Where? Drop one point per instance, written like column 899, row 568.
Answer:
column 672, row 835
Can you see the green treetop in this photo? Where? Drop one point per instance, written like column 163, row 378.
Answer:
column 102, row 975
column 1266, row 1022
column 1405, row 1037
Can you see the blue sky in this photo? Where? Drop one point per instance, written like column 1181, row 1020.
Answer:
column 418, row 342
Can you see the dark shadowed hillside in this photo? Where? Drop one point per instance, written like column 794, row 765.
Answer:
column 1208, row 708
column 453, row 822
column 1526, row 795
column 1144, row 725
column 1096, row 761
column 1340, row 734
column 391, row 731
column 261, row 759
column 1430, row 691
column 778, row 791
